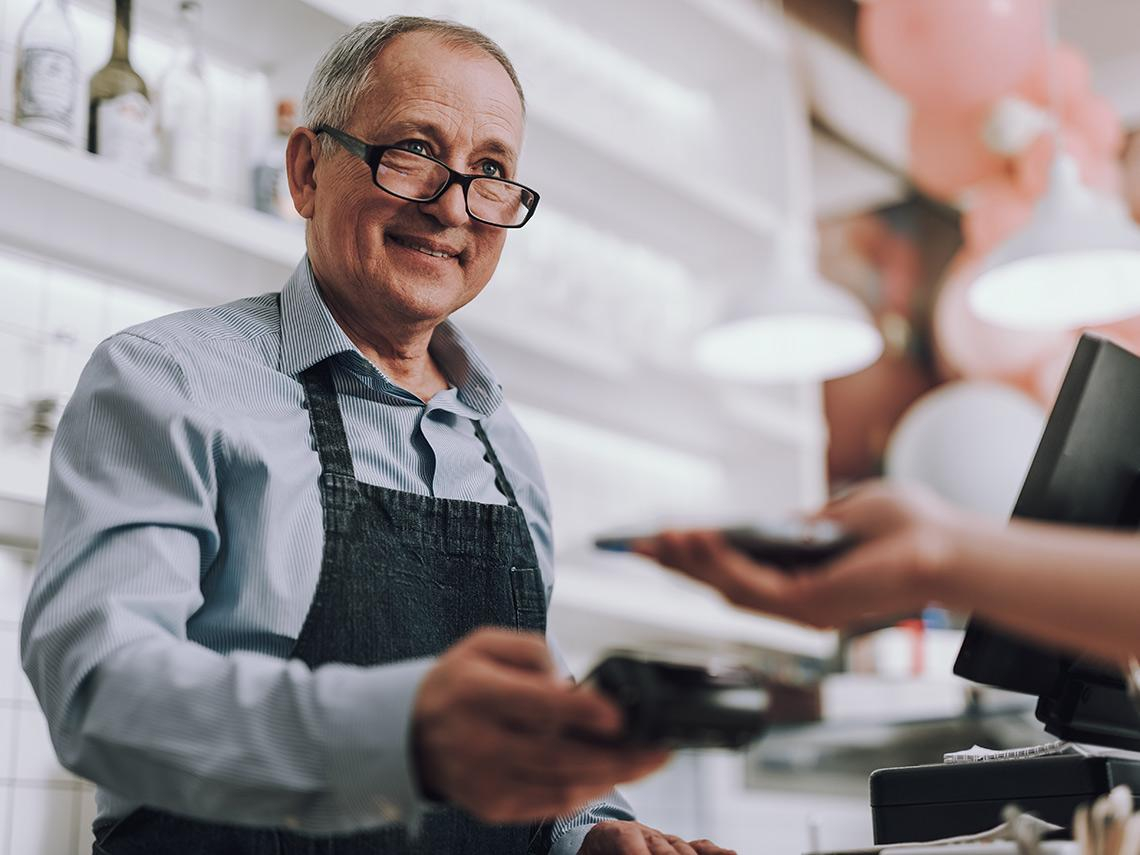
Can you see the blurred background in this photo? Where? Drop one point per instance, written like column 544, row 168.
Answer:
column 756, row 277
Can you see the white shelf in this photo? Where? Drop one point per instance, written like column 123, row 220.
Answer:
column 584, row 169
column 577, row 161
column 749, row 20
column 86, row 211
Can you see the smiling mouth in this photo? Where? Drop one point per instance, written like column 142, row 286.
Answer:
column 422, row 247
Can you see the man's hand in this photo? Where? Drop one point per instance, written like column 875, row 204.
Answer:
column 633, row 838
column 492, row 733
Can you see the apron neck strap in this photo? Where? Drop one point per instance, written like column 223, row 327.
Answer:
column 328, row 427
column 501, row 480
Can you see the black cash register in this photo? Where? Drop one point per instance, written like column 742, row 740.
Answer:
column 1086, row 471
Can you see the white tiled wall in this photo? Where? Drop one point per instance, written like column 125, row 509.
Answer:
column 44, row 810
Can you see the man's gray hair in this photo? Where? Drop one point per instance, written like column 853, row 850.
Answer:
column 344, row 73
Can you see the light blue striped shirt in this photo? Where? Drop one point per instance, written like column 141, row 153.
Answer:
column 181, row 548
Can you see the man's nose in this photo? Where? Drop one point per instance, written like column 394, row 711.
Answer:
column 450, row 209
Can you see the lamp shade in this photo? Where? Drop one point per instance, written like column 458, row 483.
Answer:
column 805, row 329
column 1075, row 263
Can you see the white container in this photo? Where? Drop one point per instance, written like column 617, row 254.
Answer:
column 47, row 73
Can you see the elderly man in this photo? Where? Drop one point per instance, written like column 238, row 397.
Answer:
column 296, row 555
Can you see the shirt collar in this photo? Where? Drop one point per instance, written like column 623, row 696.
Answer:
column 477, row 388
column 310, row 334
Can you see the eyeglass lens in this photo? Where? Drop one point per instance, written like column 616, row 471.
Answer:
column 412, row 176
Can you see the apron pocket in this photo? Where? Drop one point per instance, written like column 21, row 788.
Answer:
column 530, row 599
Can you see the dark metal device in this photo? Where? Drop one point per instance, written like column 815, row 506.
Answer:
column 678, row 705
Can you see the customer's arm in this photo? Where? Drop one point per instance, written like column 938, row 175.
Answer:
column 1071, row 587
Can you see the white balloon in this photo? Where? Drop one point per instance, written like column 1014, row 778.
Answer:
column 1013, row 125
column 971, row 442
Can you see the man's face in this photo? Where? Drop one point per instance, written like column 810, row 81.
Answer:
column 368, row 247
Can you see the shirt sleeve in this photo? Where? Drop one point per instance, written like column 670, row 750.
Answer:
column 133, row 704
column 567, row 833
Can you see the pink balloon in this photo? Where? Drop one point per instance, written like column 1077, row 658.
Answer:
column 1031, row 167
column 1074, row 79
column 966, row 346
column 993, row 212
column 947, row 152
column 1095, row 119
column 1107, row 176
column 952, row 53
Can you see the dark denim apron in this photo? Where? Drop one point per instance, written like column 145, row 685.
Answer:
column 402, row 576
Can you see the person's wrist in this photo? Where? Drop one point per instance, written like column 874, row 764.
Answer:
column 961, row 538
column 424, row 771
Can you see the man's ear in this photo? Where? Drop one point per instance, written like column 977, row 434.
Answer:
column 301, row 169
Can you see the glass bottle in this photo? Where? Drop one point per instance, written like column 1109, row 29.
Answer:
column 121, row 120
column 47, row 72
column 184, row 106
column 270, row 182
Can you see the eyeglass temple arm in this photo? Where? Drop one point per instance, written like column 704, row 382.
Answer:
column 351, row 145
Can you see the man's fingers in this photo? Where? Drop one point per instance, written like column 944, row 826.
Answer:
column 525, row 650
column 585, row 710
column 659, row 845
column 707, row 847
column 631, row 840
column 539, row 704
column 676, row 845
column 612, row 836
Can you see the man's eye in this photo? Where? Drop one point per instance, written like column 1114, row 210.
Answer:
column 415, row 146
column 490, row 169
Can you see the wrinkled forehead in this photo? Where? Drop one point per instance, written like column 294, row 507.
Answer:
column 423, row 77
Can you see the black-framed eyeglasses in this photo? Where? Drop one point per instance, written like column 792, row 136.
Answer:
column 421, row 178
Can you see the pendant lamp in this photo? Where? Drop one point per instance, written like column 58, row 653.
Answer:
column 1075, row 263
column 799, row 328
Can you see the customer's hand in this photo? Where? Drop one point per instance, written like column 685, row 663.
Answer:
column 492, row 727
column 633, row 838
column 907, row 539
